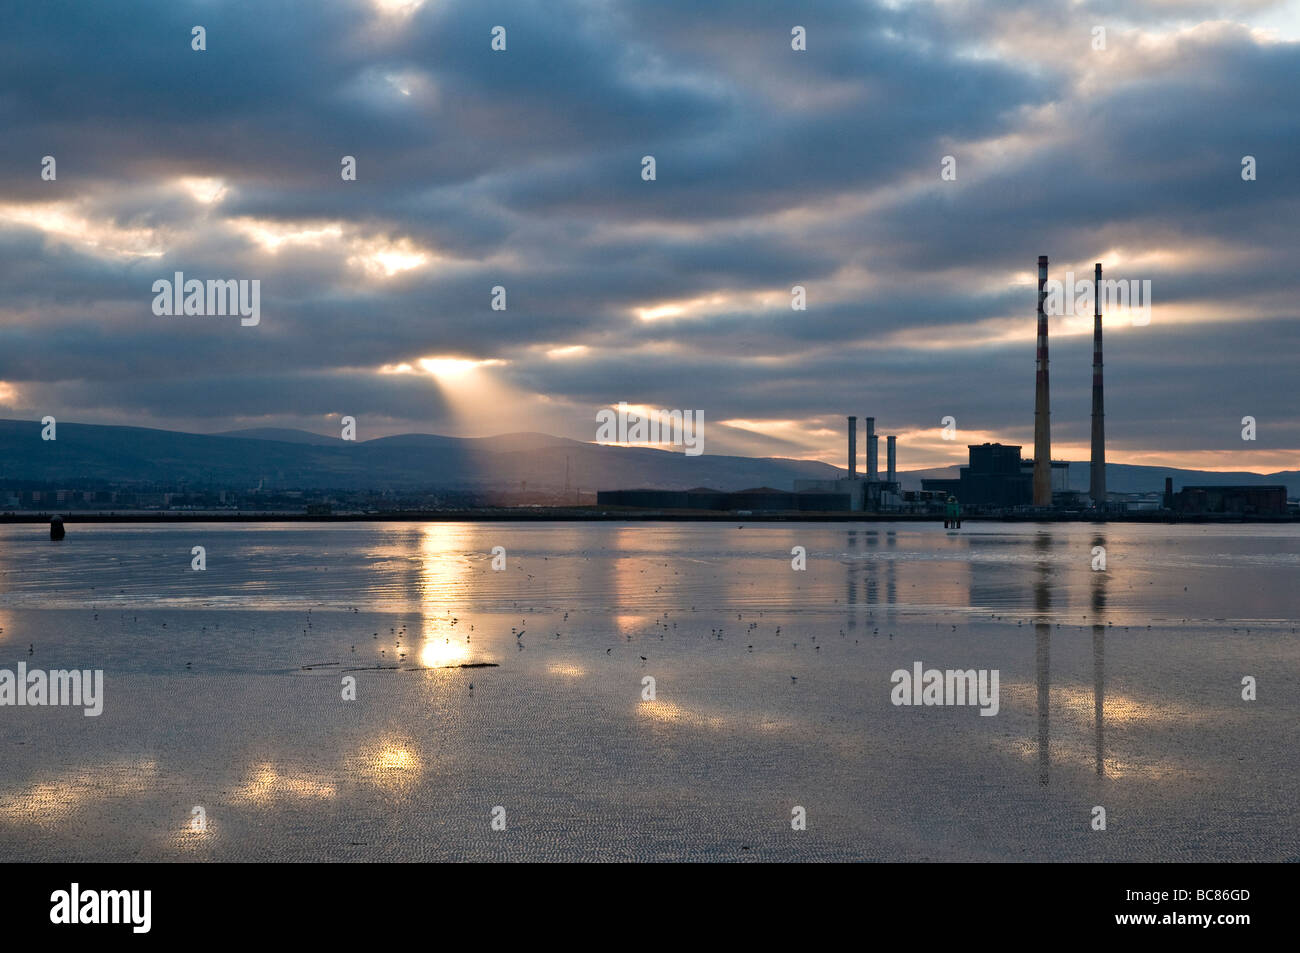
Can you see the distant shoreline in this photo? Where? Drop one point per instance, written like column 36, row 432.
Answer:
column 568, row 514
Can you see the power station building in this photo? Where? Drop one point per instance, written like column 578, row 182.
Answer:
column 853, row 494
column 868, row 493
column 998, row 477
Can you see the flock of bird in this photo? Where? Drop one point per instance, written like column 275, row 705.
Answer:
column 663, row 625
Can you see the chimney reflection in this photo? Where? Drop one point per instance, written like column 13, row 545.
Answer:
column 891, row 586
column 1099, row 660
column 873, row 584
column 1043, row 643
column 851, row 580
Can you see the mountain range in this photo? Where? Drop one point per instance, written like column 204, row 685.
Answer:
column 298, row 459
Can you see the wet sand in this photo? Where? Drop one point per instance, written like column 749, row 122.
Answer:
column 223, row 690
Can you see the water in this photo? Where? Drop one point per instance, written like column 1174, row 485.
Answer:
column 223, row 692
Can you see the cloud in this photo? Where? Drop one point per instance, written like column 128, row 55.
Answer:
column 775, row 168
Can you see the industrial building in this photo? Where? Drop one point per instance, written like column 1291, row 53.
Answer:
column 869, row 493
column 1231, row 500
column 757, row 500
column 997, row 476
column 854, row 493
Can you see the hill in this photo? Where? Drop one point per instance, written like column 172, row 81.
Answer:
column 297, row 459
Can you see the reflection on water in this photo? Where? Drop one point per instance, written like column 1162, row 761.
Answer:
column 1043, row 655
column 50, row 801
column 1099, row 659
column 671, row 713
column 266, row 784
column 390, row 764
column 1167, row 571
column 771, row 684
column 627, row 624
column 1043, row 650
column 696, row 716
column 441, row 651
column 441, row 576
column 441, row 580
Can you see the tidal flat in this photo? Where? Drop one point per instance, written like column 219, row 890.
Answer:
column 652, row 691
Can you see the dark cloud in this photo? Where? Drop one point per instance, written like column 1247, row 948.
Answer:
column 775, row 168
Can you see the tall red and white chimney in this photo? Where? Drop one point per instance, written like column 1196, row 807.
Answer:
column 1097, row 481
column 1042, row 402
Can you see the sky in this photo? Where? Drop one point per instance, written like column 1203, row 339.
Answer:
column 522, row 169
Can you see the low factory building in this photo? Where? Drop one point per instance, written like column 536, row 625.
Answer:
column 756, row 500
column 1231, row 500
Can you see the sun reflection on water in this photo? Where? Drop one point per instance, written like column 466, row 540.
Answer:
column 267, row 784
column 389, row 764
column 52, row 801
column 442, row 651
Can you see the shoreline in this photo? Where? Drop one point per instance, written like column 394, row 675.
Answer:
column 563, row 514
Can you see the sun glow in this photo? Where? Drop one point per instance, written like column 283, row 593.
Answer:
column 396, row 8
column 203, row 189
column 663, row 311
column 450, row 368
column 382, row 257
column 714, row 304
column 63, row 221
column 271, row 236
column 377, row 256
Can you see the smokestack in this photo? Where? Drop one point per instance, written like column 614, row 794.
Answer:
column 873, row 451
column 1097, row 483
column 853, row 448
column 1042, row 402
column 891, row 457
